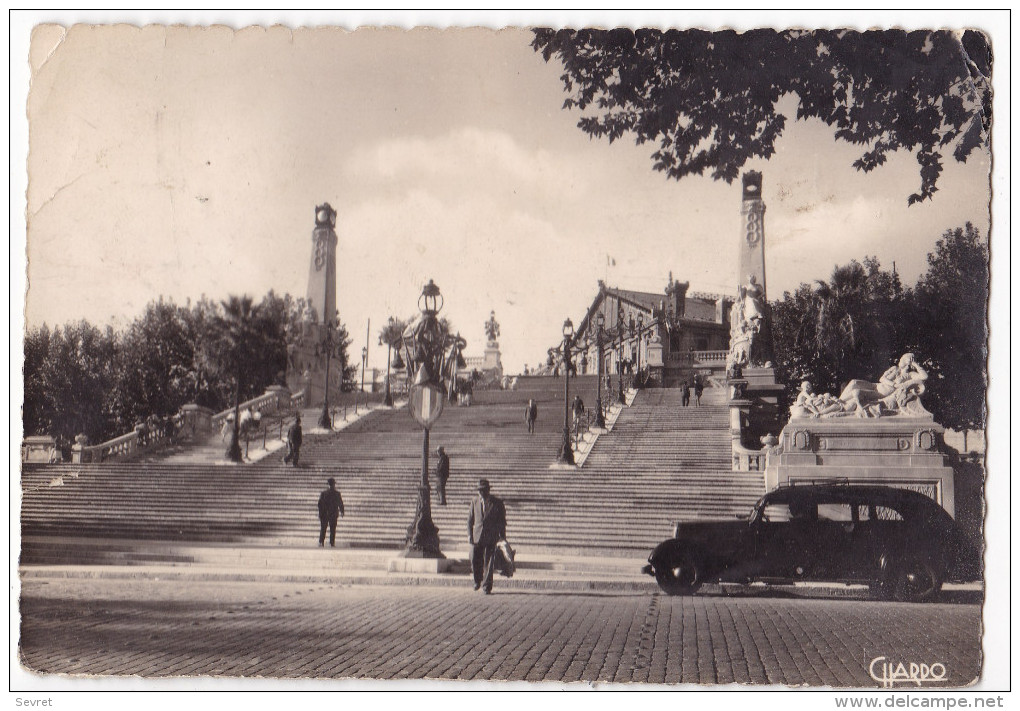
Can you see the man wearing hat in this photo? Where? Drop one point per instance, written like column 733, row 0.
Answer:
column 486, row 526
column 442, row 475
column 331, row 505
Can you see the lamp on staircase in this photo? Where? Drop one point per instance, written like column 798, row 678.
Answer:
column 427, row 353
column 566, row 451
column 600, row 330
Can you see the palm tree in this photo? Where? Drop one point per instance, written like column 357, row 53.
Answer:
column 390, row 336
column 235, row 339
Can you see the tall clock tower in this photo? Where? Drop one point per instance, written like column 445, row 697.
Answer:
column 322, row 271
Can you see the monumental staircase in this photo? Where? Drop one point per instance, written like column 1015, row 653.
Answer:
column 660, row 463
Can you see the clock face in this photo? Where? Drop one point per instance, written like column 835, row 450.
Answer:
column 322, row 217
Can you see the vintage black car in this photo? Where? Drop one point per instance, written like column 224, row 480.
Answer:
column 899, row 542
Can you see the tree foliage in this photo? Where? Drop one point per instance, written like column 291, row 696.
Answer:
column 81, row 379
column 709, row 99
column 860, row 321
column 951, row 306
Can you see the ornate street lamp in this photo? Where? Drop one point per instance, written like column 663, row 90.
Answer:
column 329, row 344
column 600, row 321
column 364, row 366
column 388, row 399
column 636, row 331
column 566, row 451
column 428, row 351
column 620, row 328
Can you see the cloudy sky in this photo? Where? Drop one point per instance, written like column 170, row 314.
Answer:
column 184, row 161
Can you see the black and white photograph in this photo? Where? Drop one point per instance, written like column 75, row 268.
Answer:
column 510, row 352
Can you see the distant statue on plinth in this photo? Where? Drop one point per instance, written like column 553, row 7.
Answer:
column 492, row 327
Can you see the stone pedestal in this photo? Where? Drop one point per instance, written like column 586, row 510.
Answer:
column 37, row 448
column 282, row 395
column 194, row 419
column 491, row 362
column 893, row 451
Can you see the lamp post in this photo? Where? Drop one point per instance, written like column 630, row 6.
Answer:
column 620, row 327
column 328, row 343
column 636, row 330
column 364, row 366
column 388, row 399
column 566, row 451
column 600, row 321
column 426, row 354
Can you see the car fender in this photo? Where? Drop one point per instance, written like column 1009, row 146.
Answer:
column 670, row 548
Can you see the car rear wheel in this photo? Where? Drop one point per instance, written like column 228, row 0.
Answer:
column 915, row 580
column 678, row 574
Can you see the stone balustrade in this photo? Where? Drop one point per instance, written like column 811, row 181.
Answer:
column 710, row 356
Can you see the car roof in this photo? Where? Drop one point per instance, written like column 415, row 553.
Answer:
column 869, row 493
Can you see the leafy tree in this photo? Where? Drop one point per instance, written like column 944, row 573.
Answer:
column 832, row 332
column 709, row 99
column 156, row 365
column 75, row 378
column 37, row 411
column 950, row 330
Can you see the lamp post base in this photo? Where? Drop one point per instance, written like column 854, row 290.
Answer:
column 388, row 400
column 422, row 534
column 325, row 421
column 566, row 451
column 600, row 418
column 234, row 450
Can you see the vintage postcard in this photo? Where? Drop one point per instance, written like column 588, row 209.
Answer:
column 577, row 354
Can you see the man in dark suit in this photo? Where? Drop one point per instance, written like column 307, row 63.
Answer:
column 442, row 475
column 331, row 505
column 530, row 415
column 486, row 526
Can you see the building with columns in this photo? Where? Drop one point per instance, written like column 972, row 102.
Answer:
column 669, row 335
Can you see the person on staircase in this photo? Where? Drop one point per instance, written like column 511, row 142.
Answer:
column 294, row 441
column 530, row 415
column 685, row 398
column 578, row 410
column 331, row 505
column 699, row 388
column 442, row 475
column 486, row 527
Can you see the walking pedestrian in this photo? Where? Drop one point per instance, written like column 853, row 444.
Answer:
column 442, row 474
column 578, row 409
column 699, row 387
column 530, row 415
column 686, row 397
column 294, row 441
column 331, row 505
column 486, row 527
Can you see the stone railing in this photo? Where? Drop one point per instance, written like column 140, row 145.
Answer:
column 141, row 438
column 710, row 356
column 748, row 460
column 191, row 420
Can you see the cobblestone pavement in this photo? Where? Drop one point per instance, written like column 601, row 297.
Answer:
column 286, row 630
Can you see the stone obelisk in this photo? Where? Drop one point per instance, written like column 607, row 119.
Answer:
column 751, row 265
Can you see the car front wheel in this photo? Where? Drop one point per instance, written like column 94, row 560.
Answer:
column 678, row 574
column 915, row 580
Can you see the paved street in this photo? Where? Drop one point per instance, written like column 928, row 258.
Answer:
column 287, row 630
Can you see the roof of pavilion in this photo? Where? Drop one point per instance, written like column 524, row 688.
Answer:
column 642, row 300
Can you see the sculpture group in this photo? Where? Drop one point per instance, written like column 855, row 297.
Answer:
column 897, row 392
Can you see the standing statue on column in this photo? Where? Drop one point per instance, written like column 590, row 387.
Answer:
column 492, row 328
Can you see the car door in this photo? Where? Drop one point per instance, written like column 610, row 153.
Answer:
column 780, row 535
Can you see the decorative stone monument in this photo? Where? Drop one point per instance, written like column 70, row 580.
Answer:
column 322, row 271
column 873, row 432
column 754, row 393
column 491, row 359
column 306, row 346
